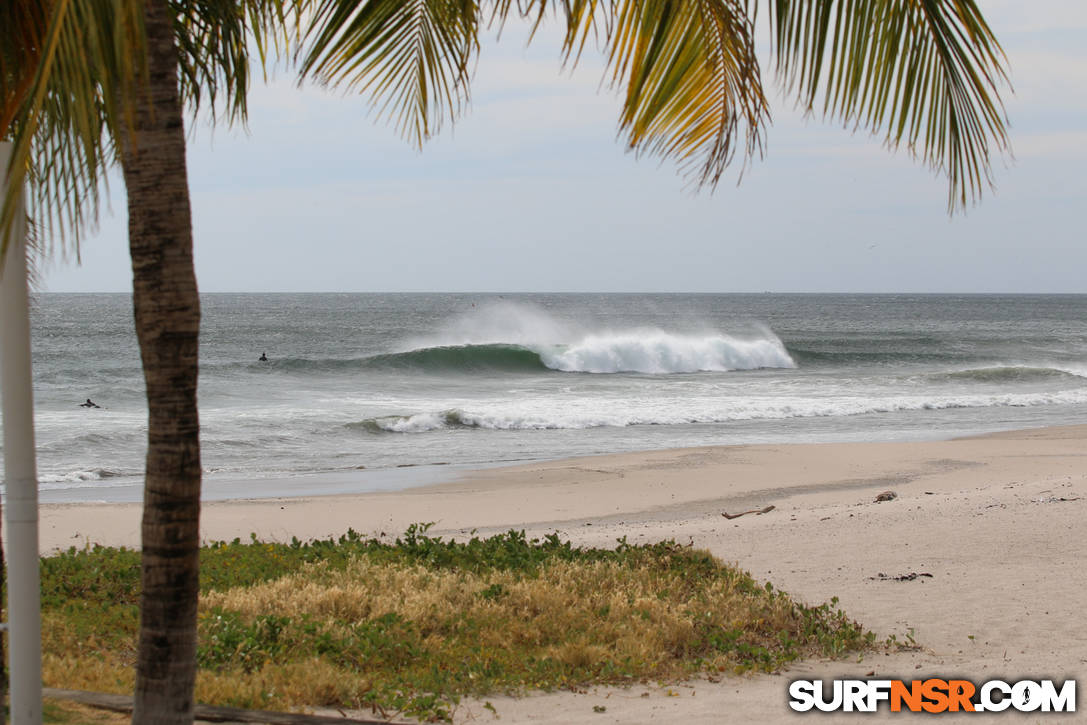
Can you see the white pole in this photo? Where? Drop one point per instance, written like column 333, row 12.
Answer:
column 20, row 477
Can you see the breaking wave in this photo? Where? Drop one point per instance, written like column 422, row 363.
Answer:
column 695, row 413
column 655, row 353
column 661, row 353
column 77, row 479
column 94, row 474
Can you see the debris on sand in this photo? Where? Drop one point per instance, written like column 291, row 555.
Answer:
column 1055, row 499
column 757, row 512
column 881, row 577
column 886, row 496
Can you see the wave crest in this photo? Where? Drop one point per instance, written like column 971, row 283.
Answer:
column 511, row 419
column 65, row 480
column 662, row 353
column 655, row 353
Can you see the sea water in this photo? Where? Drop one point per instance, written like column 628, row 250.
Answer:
column 370, row 391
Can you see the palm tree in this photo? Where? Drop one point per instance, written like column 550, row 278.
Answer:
column 85, row 83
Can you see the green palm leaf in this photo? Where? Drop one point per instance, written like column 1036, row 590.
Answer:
column 924, row 73
column 691, row 79
column 411, row 56
column 68, row 72
column 216, row 40
column 66, row 62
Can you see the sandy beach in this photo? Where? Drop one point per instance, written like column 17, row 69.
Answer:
column 997, row 521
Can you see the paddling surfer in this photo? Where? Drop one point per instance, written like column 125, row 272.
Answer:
column 89, row 404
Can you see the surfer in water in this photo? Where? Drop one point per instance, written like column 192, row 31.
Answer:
column 262, row 358
column 89, row 404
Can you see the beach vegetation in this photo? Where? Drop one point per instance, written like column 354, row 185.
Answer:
column 411, row 625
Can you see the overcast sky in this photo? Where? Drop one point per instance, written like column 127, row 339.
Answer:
column 532, row 192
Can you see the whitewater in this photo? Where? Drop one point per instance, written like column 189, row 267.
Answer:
column 356, row 385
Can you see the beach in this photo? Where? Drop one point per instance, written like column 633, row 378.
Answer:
column 996, row 520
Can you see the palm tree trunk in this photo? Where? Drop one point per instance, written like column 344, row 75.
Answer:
column 167, row 311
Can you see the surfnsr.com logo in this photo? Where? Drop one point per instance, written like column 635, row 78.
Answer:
column 932, row 695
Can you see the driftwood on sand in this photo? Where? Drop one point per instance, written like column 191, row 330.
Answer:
column 757, row 512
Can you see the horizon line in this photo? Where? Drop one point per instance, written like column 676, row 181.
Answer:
column 581, row 292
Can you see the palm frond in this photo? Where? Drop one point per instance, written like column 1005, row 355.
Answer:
column 692, row 81
column 215, row 39
column 412, row 56
column 82, row 51
column 69, row 70
column 687, row 69
column 925, row 73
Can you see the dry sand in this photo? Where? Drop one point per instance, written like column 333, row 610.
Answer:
column 997, row 520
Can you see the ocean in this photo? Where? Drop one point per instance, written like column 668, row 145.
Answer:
column 383, row 391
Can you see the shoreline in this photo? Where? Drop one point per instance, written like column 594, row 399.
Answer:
column 218, row 486
column 999, row 521
column 655, row 485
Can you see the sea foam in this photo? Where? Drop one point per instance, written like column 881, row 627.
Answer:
column 573, row 416
column 657, row 352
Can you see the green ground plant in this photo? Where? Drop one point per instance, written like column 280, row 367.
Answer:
column 414, row 624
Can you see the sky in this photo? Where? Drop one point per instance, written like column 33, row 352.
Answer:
column 532, row 191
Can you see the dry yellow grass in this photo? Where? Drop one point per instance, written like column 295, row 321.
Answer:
column 98, row 672
column 312, row 683
column 578, row 612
